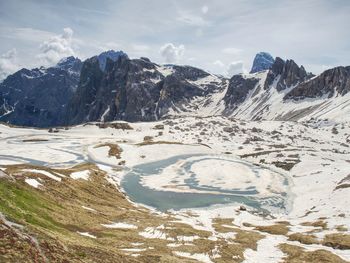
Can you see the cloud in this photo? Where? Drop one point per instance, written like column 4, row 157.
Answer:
column 235, row 68
column 57, row 47
column 232, row 50
column 8, row 63
column 172, row 53
column 204, row 9
column 219, row 63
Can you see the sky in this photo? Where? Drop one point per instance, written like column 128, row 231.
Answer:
column 220, row 36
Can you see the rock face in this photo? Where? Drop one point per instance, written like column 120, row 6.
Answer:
column 39, row 97
column 130, row 89
column 289, row 73
column 237, row 91
column 110, row 54
column 336, row 80
column 262, row 61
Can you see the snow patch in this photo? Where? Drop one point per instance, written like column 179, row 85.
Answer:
column 33, row 182
column 120, row 225
column 81, row 175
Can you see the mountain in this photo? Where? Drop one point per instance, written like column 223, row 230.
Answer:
column 288, row 92
column 111, row 86
column 136, row 90
column 110, row 54
column 262, row 61
column 38, row 97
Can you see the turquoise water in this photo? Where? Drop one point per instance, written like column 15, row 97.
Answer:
column 165, row 200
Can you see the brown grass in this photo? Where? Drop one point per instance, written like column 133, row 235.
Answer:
column 320, row 223
column 341, row 228
column 303, row 238
column 296, row 254
column 54, row 213
column 337, row 240
column 114, row 149
column 277, row 229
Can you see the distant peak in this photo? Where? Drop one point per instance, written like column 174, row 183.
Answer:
column 109, row 54
column 262, row 61
column 69, row 63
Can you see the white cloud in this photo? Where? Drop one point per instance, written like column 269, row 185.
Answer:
column 234, row 68
column 8, row 63
column 57, row 47
column 219, row 63
column 232, row 50
column 205, row 9
column 172, row 53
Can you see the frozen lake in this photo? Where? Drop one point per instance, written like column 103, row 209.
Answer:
column 189, row 181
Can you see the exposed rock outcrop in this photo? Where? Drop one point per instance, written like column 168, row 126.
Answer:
column 288, row 73
column 262, row 61
column 335, row 80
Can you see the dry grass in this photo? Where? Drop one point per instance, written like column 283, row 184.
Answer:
column 341, row 228
column 296, row 254
column 320, row 223
column 114, row 149
column 337, row 240
column 277, row 229
column 303, row 238
column 54, row 213
column 233, row 252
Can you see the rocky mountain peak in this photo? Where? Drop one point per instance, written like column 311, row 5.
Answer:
column 71, row 62
column 262, row 61
column 110, row 54
column 290, row 74
column 335, row 80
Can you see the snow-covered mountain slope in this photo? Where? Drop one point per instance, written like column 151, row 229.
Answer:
column 105, row 88
column 271, row 104
column 285, row 92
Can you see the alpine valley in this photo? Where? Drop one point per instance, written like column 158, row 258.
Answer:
column 114, row 159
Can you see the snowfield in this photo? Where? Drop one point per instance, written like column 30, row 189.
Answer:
column 307, row 162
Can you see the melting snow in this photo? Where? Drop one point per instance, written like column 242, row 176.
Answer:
column 198, row 256
column 120, row 225
column 46, row 173
column 80, row 175
column 86, row 234
column 33, row 182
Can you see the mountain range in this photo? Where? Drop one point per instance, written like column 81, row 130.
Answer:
column 111, row 86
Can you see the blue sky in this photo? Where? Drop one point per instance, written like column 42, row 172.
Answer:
column 221, row 36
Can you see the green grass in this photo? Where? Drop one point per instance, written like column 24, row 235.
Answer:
column 22, row 204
